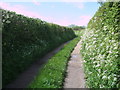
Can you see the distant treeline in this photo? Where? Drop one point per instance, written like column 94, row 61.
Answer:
column 76, row 28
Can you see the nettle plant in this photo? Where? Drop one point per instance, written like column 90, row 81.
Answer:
column 100, row 48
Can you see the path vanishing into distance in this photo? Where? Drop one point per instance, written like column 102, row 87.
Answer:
column 75, row 77
column 79, row 49
column 24, row 79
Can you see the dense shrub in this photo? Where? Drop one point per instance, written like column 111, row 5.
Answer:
column 100, row 47
column 25, row 39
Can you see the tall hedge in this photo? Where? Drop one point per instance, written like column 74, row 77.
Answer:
column 101, row 47
column 25, row 39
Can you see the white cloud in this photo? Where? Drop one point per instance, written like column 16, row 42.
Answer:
column 79, row 5
column 61, row 0
column 83, row 20
column 65, row 21
column 19, row 9
column 36, row 2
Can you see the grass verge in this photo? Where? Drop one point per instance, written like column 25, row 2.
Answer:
column 52, row 74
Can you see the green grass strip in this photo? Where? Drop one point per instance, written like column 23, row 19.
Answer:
column 53, row 73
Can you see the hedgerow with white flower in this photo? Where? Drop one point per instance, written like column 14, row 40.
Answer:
column 100, row 48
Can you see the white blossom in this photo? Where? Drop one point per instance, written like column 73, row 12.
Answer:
column 104, row 77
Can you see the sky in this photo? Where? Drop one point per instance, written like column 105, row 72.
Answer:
column 62, row 13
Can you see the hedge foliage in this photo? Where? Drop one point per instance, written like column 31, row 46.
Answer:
column 25, row 39
column 101, row 46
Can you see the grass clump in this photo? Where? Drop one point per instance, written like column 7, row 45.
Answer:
column 53, row 73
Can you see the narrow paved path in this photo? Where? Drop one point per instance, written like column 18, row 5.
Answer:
column 27, row 76
column 75, row 74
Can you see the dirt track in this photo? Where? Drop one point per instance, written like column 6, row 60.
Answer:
column 75, row 74
column 27, row 76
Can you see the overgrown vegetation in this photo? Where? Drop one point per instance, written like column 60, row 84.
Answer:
column 53, row 73
column 25, row 39
column 100, row 47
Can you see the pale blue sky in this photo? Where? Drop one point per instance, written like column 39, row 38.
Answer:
column 62, row 13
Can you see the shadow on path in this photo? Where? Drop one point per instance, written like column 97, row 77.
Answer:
column 27, row 76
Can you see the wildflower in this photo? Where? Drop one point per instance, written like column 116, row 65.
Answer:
column 104, row 77
column 108, row 77
column 7, row 21
column 105, row 27
column 99, row 70
column 84, row 61
column 115, row 79
column 110, row 51
column 94, row 62
column 115, row 47
column 112, row 33
column 101, row 86
column 103, row 60
column 98, row 65
column 89, row 72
